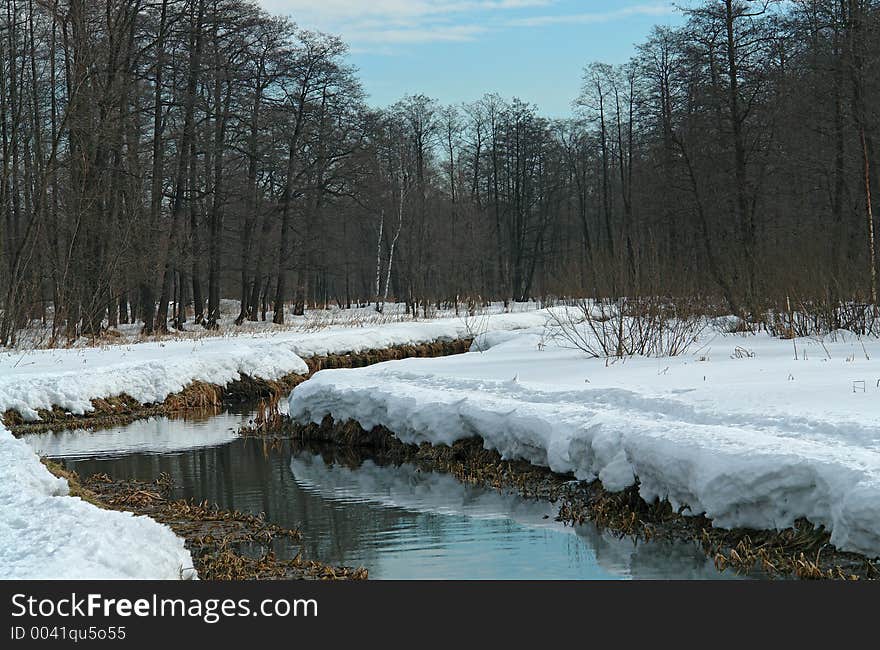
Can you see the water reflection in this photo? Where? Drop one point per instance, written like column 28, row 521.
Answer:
column 478, row 523
column 398, row 522
column 153, row 435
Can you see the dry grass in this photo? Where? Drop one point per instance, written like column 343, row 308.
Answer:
column 76, row 487
column 803, row 551
column 215, row 537
column 370, row 357
column 38, row 334
column 220, row 541
column 207, row 397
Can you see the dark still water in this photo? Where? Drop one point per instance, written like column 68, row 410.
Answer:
column 397, row 522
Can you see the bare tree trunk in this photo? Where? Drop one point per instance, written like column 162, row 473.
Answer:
column 869, row 212
column 394, row 241
column 744, row 213
column 216, row 229
column 171, row 256
column 379, row 305
column 147, row 295
column 286, row 199
column 856, row 43
column 250, row 216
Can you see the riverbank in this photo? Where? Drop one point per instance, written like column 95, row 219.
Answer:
column 802, row 551
column 206, row 396
column 747, row 430
column 400, row 520
column 99, row 386
column 51, row 529
column 765, row 461
column 224, row 544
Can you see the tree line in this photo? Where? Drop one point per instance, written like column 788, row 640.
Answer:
column 159, row 156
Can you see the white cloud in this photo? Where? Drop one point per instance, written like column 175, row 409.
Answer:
column 431, row 34
column 652, row 9
column 379, row 25
column 377, row 22
column 352, row 10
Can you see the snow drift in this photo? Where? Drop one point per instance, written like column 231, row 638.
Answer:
column 738, row 430
column 150, row 372
column 46, row 534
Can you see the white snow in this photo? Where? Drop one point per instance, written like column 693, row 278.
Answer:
column 47, row 534
column 149, row 372
column 750, row 437
column 38, row 333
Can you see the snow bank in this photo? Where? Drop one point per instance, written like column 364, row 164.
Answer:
column 738, row 430
column 337, row 340
column 149, row 372
column 45, row 534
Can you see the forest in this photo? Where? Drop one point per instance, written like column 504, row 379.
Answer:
column 159, row 156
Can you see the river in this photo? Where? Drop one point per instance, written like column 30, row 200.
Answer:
column 397, row 521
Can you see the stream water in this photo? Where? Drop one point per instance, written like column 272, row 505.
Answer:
column 397, row 522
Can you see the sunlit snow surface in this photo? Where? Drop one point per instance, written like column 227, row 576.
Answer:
column 755, row 441
column 149, row 372
column 46, row 534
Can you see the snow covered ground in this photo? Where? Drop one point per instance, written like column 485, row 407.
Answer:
column 149, row 372
column 37, row 334
column 736, row 428
column 46, row 534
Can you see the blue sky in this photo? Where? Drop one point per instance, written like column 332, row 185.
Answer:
column 455, row 50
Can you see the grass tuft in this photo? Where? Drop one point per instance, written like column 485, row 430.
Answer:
column 803, row 551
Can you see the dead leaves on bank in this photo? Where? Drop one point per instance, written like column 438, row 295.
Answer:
column 803, row 551
column 225, row 544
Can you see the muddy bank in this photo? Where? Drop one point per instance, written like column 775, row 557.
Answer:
column 802, row 552
column 224, row 544
column 122, row 409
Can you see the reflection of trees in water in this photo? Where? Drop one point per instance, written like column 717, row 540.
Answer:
column 501, row 515
column 243, row 476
